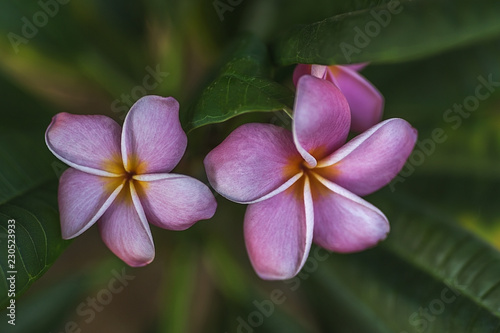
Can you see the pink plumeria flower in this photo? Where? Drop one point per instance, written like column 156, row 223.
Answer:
column 365, row 101
column 305, row 185
column 120, row 178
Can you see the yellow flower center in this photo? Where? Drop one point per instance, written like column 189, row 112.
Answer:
column 134, row 167
column 297, row 165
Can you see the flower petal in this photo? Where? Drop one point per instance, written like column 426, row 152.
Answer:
column 355, row 67
column 125, row 229
column 343, row 222
column 83, row 199
column 278, row 232
column 365, row 101
column 87, row 143
column 175, row 202
column 372, row 159
column 153, row 139
column 299, row 71
column 321, row 118
column 254, row 161
column 318, row 71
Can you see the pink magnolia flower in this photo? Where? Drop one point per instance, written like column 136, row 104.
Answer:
column 305, row 185
column 120, row 178
column 365, row 101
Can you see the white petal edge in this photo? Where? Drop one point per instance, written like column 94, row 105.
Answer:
column 100, row 212
column 342, row 152
column 140, row 211
column 82, row 168
column 281, row 188
column 309, row 216
column 309, row 212
column 347, row 194
column 271, row 194
column 149, row 177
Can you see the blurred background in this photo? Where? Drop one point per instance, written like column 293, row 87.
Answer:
column 437, row 272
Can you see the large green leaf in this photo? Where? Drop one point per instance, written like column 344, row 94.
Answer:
column 37, row 238
column 242, row 86
column 25, row 163
column 28, row 194
column 392, row 31
column 429, row 275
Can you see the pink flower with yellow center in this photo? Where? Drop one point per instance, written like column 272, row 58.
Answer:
column 305, row 185
column 120, row 178
column 365, row 101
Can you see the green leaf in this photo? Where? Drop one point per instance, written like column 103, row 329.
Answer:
column 28, row 195
column 37, row 238
column 243, row 85
column 429, row 275
column 392, row 31
column 25, row 163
